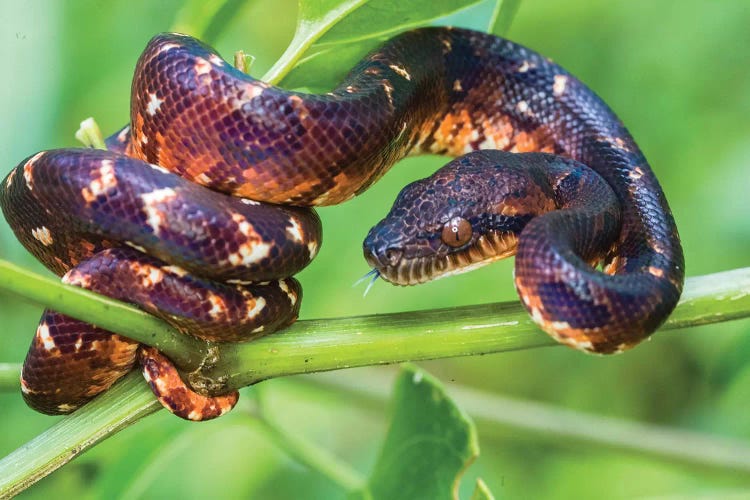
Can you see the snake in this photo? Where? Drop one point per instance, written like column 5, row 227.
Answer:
column 200, row 211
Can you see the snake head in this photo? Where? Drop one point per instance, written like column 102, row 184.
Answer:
column 466, row 215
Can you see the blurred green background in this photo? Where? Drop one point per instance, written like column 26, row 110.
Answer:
column 677, row 73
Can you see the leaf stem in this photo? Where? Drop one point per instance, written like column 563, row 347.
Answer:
column 305, row 35
column 308, row 453
column 502, row 16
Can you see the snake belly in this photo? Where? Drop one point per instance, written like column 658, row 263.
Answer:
column 433, row 90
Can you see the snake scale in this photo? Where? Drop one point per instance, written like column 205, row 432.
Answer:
column 198, row 212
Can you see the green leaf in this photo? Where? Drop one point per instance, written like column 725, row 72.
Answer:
column 430, row 443
column 502, row 16
column 205, row 19
column 329, row 42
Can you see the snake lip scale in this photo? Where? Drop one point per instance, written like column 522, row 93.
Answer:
column 200, row 210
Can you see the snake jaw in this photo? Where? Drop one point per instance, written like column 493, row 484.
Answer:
column 406, row 271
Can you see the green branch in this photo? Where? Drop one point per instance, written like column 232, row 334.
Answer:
column 125, row 403
column 9, row 374
column 307, row 346
column 330, row 344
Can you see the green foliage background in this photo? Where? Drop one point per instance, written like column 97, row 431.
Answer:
column 678, row 74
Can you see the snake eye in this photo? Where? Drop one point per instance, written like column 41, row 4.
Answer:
column 456, row 232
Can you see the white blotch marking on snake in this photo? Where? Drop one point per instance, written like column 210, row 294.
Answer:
column 312, row 248
column 400, row 70
column 218, row 61
column 558, row 87
column 154, row 103
column 636, row 173
column 252, row 312
column 202, row 66
column 655, row 271
column 27, row 170
column 457, row 86
column 74, row 277
column 536, row 316
column 154, row 216
column 290, row 295
column 202, row 178
column 42, row 332
column 218, row 307
column 42, row 235
column 102, row 184
column 167, row 46
column 247, row 201
column 123, row 135
column 249, row 253
column 559, row 325
column 525, row 66
column 149, row 275
column 239, row 282
column 176, row 270
column 388, row 88
column 582, row 345
column 295, row 231
column 159, row 168
column 137, row 247
column 522, row 107
column 243, row 225
column 9, row 180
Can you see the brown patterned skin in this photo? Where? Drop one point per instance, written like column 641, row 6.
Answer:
column 435, row 90
column 126, row 229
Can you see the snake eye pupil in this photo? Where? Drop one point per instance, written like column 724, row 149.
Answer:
column 456, row 232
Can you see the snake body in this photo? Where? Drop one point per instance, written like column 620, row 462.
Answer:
column 433, row 90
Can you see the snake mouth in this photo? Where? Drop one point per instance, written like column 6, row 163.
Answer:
column 484, row 250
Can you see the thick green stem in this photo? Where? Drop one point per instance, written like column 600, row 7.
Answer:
column 325, row 345
column 125, row 403
column 330, row 344
column 321, row 345
column 9, row 373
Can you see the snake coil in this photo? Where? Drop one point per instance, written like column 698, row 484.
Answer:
column 198, row 211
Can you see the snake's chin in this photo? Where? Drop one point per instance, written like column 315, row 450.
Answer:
column 413, row 271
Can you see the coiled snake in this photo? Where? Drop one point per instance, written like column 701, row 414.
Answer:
column 151, row 221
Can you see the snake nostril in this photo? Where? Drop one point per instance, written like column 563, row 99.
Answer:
column 393, row 255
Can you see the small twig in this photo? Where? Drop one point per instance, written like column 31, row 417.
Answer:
column 243, row 62
column 90, row 135
column 308, row 453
